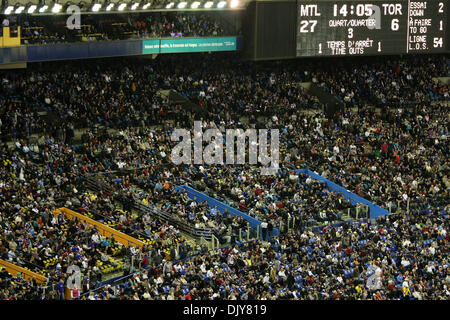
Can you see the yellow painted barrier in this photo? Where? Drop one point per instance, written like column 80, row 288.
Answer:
column 104, row 230
column 26, row 274
column 9, row 41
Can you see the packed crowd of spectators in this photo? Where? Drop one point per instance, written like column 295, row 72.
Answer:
column 275, row 198
column 284, row 196
column 396, row 157
column 388, row 82
column 99, row 93
column 127, row 96
column 155, row 187
column 36, row 239
column 38, row 30
column 160, row 235
column 400, row 257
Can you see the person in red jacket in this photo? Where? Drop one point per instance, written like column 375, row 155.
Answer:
column 145, row 261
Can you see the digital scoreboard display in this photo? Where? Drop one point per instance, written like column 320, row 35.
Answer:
column 352, row 28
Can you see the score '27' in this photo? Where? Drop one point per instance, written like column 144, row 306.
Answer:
column 307, row 26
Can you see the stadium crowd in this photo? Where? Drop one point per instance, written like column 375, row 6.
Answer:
column 394, row 158
column 388, row 82
column 400, row 257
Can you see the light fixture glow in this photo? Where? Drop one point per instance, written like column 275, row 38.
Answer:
column 56, row 8
column 96, row 7
column 182, row 5
column 234, row 3
column 19, row 9
column 122, row 6
column 221, row 4
column 146, row 6
column 32, row 8
column 43, row 8
column 195, row 5
column 9, row 9
column 110, row 6
column 134, row 6
column 170, row 5
column 209, row 4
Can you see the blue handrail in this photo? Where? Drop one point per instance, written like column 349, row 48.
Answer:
column 254, row 223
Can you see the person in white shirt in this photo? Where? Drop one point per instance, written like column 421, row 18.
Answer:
column 432, row 250
column 264, row 226
column 11, row 255
column 282, row 274
column 121, row 164
column 146, row 219
column 134, row 251
column 96, row 238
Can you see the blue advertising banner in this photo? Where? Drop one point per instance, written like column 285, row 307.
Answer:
column 101, row 49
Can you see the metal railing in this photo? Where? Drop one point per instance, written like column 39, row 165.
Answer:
column 185, row 227
column 107, row 231
column 27, row 274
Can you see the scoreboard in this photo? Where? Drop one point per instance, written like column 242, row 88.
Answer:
column 377, row 27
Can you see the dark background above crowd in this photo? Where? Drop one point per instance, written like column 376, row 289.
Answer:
column 103, row 27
